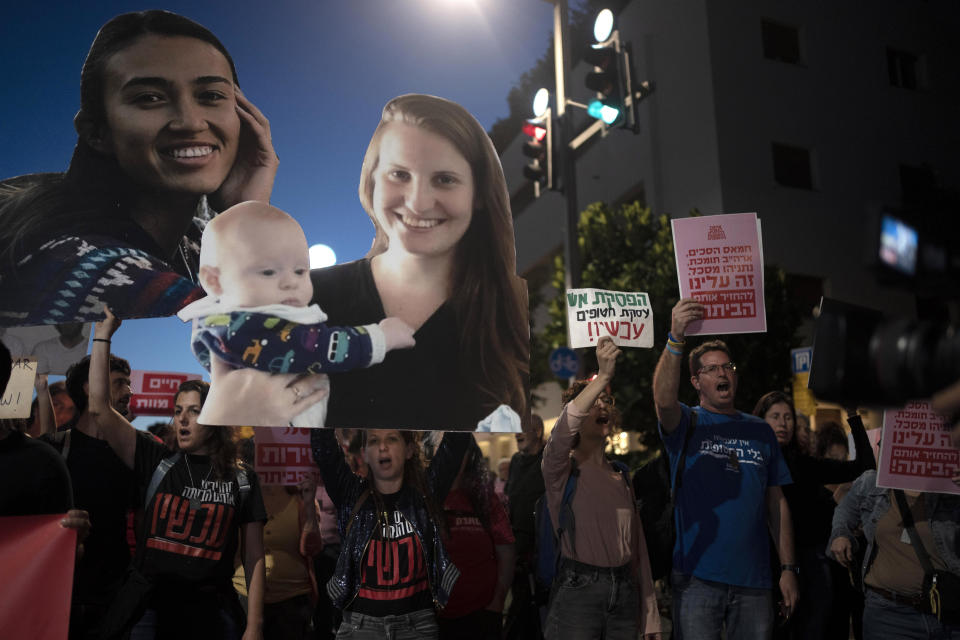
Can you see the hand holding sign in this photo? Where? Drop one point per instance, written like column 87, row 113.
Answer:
column 607, row 353
column 684, row 312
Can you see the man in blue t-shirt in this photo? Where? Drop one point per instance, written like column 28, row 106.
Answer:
column 728, row 495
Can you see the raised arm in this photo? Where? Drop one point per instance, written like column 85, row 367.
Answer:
column 666, row 377
column 111, row 426
column 861, row 443
column 45, row 413
column 607, row 353
column 338, row 479
column 446, row 463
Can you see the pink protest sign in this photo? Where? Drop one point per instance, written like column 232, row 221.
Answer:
column 720, row 263
column 282, row 455
column 915, row 451
column 153, row 392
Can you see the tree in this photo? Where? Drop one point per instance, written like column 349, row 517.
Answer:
column 629, row 249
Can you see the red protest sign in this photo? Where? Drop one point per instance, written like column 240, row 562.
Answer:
column 37, row 556
column 153, row 392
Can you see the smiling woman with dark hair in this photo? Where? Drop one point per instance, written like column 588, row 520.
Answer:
column 162, row 125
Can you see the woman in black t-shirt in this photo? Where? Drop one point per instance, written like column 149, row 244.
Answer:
column 199, row 506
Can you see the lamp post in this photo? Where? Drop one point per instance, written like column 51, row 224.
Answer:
column 567, row 155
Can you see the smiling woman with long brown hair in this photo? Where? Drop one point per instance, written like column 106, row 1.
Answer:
column 443, row 261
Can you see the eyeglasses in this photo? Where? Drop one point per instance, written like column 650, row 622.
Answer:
column 730, row 367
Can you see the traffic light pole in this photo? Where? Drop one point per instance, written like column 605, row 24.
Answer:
column 568, row 161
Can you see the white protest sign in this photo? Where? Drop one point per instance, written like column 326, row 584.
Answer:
column 18, row 396
column 594, row 313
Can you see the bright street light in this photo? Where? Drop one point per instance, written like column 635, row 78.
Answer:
column 540, row 102
column 603, row 25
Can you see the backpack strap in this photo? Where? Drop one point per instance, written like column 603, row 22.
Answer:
column 65, row 448
column 158, row 474
column 243, row 480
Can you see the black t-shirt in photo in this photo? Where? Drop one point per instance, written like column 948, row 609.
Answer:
column 106, row 489
column 194, row 543
column 394, row 579
column 418, row 388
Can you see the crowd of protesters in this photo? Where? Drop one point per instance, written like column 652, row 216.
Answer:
column 407, row 539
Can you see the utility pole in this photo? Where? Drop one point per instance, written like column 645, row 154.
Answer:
column 568, row 162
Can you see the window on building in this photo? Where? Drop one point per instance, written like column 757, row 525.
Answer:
column 792, row 167
column 903, row 68
column 781, row 42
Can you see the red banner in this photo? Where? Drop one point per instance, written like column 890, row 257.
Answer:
column 37, row 556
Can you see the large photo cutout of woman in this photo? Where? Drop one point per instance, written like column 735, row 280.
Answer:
column 443, row 261
column 442, row 266
column 165, row 138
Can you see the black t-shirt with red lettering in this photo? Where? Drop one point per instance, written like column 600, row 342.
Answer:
column 192, row 543
column 394, row 580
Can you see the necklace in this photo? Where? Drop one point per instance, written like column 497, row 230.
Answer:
column 194, row 500
column 186, row 261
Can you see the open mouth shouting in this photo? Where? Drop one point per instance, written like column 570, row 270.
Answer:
column 723, row 386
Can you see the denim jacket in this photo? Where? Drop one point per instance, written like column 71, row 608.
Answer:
column 345, row 488
column 866, row 503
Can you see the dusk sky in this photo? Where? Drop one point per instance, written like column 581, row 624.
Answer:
column 320, row 71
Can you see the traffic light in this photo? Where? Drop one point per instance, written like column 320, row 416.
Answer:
column 618, row 94
column 539, row 148
column 606, row 81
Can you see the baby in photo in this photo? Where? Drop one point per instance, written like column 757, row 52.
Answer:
column 255, row 268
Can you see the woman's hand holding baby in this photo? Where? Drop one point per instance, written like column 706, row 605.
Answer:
column 397, row 333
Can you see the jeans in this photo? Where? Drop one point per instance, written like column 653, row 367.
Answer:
column 887, row 620
column 593, row 602
column 419, row 625
column 702, row 607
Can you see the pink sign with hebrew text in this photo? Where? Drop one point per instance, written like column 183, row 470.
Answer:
column 282, row 455
column 720, row 263
column 915, row 451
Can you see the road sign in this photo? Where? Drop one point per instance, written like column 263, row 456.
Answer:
column 564, row 362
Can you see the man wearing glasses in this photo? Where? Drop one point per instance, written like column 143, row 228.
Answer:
column 727, row 494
